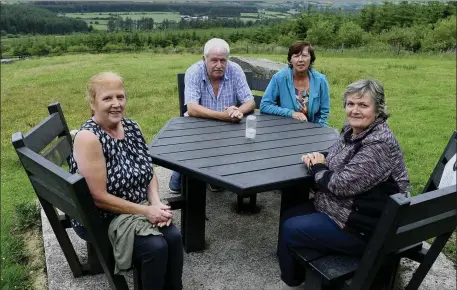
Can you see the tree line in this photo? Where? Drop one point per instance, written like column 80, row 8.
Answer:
column 408, row 26
column 128, row 24
column 193, row 9
column 24, row 19
column 430, row 27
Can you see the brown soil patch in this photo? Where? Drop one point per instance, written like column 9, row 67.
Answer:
column 35, row 252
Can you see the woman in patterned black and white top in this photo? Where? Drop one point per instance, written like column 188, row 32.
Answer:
column 112, row 155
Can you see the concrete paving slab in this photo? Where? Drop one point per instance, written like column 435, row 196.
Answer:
column 240, row 250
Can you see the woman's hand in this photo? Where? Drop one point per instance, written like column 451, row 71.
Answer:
column 313, row 158
column 165, row 208
column 158, row 214
column 299, row 116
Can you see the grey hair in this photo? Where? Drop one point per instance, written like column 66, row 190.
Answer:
column 217, row 44
column 375, row 90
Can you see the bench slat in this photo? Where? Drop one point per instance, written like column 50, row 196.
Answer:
column 44, row 169
column 258, row 100
column 436, row 178
column 59, row 152
column 335, row 268
column 429, row 204
column 423, row 230
column 43, row 133
column 55, row 197
column 306, row 255
column 259, row 84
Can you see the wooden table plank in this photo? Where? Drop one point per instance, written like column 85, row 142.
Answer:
column 269, row 179
column 176, row 130
column 236, row 132
column 208, row 142
column 239, row 158
column 246, row 148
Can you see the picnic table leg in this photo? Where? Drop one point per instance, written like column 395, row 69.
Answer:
column 193, row 215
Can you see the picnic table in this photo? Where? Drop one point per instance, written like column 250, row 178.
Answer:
column 216, row 152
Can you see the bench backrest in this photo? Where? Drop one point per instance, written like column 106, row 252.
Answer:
column 41, row 151
column 406, row 222
column 255, row 84
column 181, row 87
column 448, row 153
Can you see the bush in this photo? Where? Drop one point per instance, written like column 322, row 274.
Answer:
column 350, row 34
column 40, row 49
column 407, row 38
column 442, row 38
column 21, row 51
column 78, row 48
column 321, row 33
column 285, row 40
column 112, row 47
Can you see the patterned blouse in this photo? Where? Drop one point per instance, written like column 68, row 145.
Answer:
column 128, row 163
column 302, row 98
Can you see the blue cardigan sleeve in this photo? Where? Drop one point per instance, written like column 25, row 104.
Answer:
column 324, row 108
column 269, row 103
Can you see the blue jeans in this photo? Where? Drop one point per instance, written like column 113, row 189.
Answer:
column 159, row 258
column 303, row 226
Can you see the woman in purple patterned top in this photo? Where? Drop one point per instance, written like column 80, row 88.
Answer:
column 353, row 183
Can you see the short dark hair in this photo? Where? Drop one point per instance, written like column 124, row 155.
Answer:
column 298, row 48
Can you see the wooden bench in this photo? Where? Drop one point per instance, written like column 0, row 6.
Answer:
column 404, row 225
column 256, row 85
column 42, row 151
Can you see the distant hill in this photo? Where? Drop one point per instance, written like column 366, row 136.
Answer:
column 27, row 19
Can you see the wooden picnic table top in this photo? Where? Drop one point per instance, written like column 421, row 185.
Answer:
column 217, row 152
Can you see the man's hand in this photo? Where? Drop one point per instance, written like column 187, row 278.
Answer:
column 233, row 113
column 299, row 116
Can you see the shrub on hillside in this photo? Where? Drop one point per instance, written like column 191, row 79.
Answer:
column 321, row 33
column 78, row 48
column 442, row 37
column 350, row 34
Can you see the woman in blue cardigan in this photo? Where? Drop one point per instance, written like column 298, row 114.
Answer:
column 298, row 91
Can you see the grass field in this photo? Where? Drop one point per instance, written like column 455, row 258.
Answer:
column 158, row 17
column 420, row 94
column 102, row 24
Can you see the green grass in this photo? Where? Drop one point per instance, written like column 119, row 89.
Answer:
column 249, row 14
column 420, row 95
column 92, row 17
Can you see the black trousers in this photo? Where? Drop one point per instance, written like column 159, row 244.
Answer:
column 159, row 258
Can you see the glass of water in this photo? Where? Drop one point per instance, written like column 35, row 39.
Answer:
column 251, row 127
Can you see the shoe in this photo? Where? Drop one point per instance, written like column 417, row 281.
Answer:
column 175, row 183
column 214, row 188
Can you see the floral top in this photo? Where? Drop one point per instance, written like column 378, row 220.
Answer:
column 128, row 163
column 302, row 98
